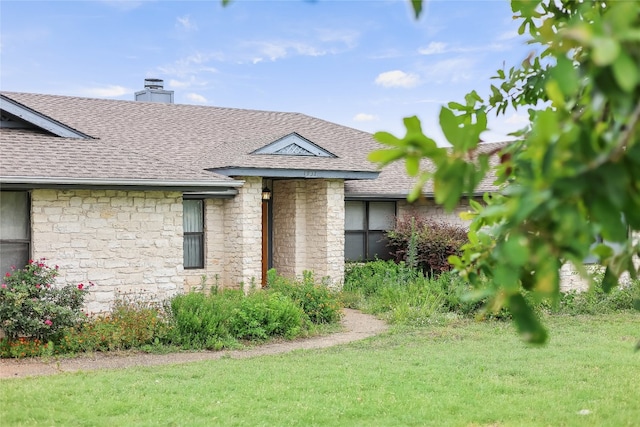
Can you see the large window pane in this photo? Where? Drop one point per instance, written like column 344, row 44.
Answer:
column 193, row 225
column 192, row 211
column 354, row 216
column 14, row 215
column 377, row 246
column 193, row 251
column 13, row 255
column 14, row 230
column 381, row 215
column 354, row 247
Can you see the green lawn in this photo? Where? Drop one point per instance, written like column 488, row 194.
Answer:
column 460, row 374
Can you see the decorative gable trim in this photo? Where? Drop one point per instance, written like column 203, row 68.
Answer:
column 18, row 112
column 294, row 145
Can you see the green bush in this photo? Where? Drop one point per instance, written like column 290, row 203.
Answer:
column 266, row 314
column 32, row 306
column 319, row 303
column 201, row 321
column 132, row 323
column 426, row 244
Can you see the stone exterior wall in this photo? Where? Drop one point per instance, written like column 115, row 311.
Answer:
column 242, row 234
column 289, row 222
column 325, row 229
column 308, row 228
column 122, row 241
column 429, row 209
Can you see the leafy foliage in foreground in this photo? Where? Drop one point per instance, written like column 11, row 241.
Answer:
column 572, row 178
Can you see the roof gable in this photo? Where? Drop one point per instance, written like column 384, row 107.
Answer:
column 16, row 115
column 294, row 145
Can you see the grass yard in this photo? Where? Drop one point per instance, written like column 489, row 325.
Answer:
column 460, row 374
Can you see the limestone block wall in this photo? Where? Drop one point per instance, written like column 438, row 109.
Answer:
column 122, row 241
column 289, row 225
column 243, row 235
column 325, row 229
column 429, row 209
column 308, row 228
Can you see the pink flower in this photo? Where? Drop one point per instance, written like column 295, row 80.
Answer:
column 57, row 268
column 7, row 274
column 81, row 286
column 37, row 286
column 4, row 286
column 30, row 261
column 48, row 322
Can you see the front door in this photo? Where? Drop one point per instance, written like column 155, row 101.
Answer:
column 266, row 240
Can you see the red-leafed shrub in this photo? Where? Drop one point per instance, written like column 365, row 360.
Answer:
column 426, row 244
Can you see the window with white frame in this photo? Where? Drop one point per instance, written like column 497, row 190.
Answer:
column 193, row 228
column 15, row 230
column 365, row 225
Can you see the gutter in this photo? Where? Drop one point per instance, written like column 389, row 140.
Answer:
column 212, row 186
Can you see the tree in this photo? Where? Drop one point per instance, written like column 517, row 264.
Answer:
column 570, row 186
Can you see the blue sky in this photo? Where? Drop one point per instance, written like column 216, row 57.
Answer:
column 363, row 64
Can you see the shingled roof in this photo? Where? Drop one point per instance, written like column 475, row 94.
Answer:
column 189, row 145
column 166, row 141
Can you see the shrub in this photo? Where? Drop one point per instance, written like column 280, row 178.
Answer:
column 23, row 347
column 432, row 241
column 201, row 321
column 31, row 305
column 319, row 303
column 131, row 323
column 266, row 314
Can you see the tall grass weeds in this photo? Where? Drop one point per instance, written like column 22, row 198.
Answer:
column 404, row 295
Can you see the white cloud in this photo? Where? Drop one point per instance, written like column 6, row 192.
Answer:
column 518, row 119
column 106, row 91
column 433, row 48
column 276, row 50
column 364, row 117
column 190, row 82
column 452, row 70
column 397, row 78
column 190, row 65
column 509, row 35
column 196, row 98
column 185, row 23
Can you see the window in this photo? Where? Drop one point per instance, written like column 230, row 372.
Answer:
column 365, row 225
column 193, row 225
column 15, row 244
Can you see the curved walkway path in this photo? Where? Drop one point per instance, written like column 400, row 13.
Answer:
column 356, row 325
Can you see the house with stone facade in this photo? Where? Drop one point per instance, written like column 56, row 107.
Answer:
column 155, row 197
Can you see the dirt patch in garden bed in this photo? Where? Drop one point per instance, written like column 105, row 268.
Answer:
column 356, row 326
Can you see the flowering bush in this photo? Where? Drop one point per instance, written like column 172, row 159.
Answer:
column 31, row 306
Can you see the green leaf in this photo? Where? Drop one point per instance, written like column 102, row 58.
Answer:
column 387, row 139
column 565, row 74
column 605, row 50
column 417, row 7
column 515, row 251
column 609, row 281
column 386, row 156
column 413, row 165
column 625, row 71
column 449, row 125
column 526, row 321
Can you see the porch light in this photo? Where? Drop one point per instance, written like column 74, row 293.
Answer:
column 266, row 193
